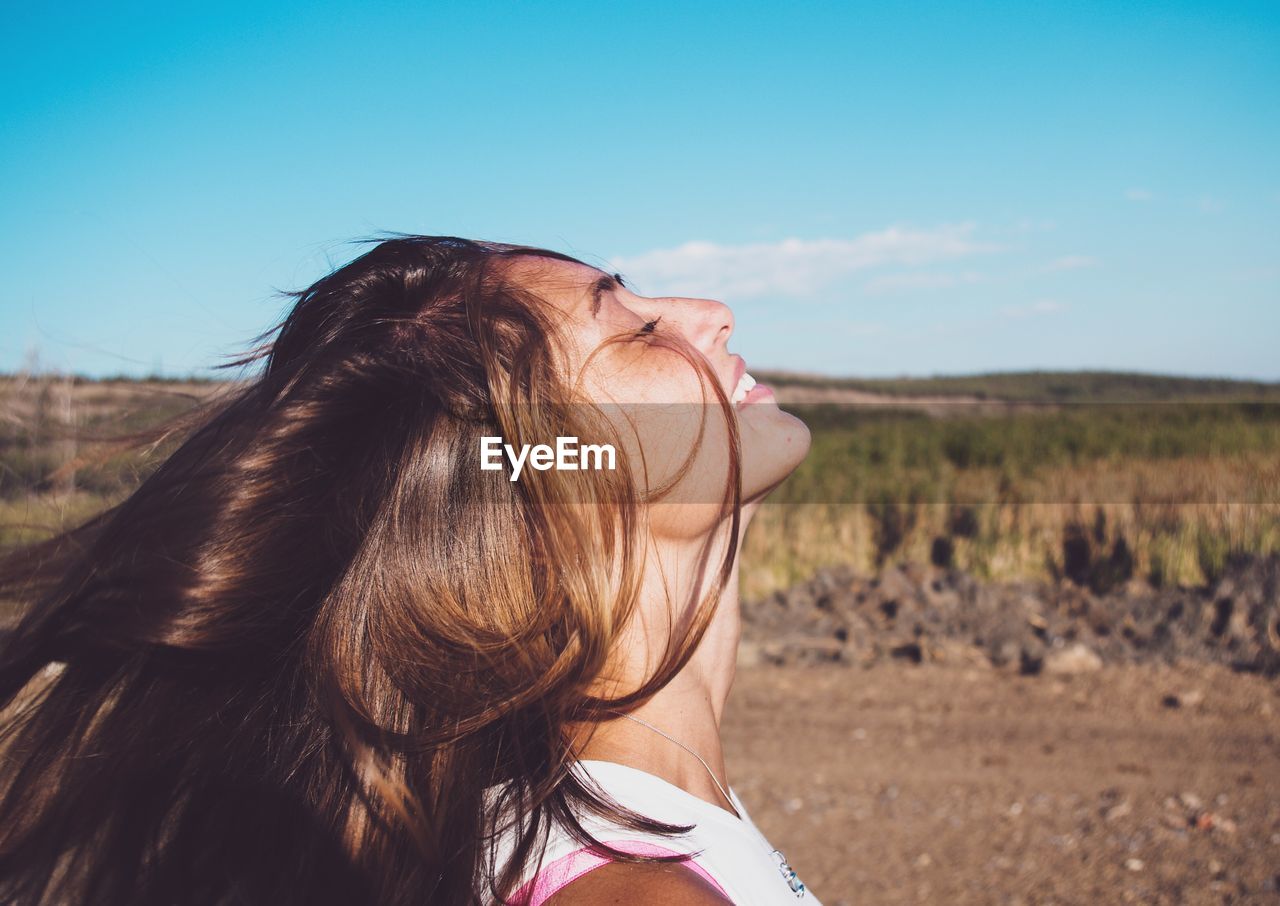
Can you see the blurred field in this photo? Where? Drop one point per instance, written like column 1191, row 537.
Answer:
column 926, row 766
column 1003, row 476
column 1000, row 475
column 1103, row 478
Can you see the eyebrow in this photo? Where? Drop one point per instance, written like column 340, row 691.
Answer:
column 605, row 284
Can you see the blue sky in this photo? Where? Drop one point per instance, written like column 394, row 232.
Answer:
column 876, row 189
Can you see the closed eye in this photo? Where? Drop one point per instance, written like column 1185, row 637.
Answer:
column 650, row 325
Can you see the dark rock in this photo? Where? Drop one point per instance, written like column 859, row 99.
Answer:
column 911, row 612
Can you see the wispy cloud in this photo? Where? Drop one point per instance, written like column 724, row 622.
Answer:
column 1138, row 195
column 792, row 266
column 1039, row 307
column 890, row 283
column 1071, row 263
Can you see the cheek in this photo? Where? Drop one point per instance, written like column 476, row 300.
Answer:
column 685, row 443
column 674, row 441
column 656, row 375
column 693, row 452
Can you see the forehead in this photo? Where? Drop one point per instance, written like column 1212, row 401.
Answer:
column 567, row 282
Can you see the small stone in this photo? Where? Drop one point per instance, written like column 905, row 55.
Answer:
column 924, row 860
column 1187, row 699
column 1191, row 800
column 1216, row 868
column 859, row 733
column 793, row 805
column 1016, row 809
column 1077, row 658
column 1119, row 810
column 1134, row 864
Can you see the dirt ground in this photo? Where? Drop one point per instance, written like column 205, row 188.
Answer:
column 901, row 783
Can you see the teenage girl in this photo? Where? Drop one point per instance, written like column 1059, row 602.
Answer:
column 320, row 655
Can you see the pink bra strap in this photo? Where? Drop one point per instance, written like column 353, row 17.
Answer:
column 570, row 867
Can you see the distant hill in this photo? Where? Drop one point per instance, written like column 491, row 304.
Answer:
column 1036, row 387
column 1043, row 386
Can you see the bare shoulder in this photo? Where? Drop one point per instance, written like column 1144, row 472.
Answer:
column 669, row 884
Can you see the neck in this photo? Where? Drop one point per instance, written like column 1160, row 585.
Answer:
column 689, row 708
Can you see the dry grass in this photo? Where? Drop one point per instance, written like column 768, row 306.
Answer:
column 1165, row 492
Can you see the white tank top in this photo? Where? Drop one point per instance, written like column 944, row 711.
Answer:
column 735, row 856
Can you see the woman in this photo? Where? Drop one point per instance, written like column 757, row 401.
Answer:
column 327, row 652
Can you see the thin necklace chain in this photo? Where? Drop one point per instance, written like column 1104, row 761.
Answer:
column 710, row 772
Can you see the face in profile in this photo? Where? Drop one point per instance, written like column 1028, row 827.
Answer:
column 649, row 384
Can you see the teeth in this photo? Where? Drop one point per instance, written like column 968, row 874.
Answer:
column 745, row 383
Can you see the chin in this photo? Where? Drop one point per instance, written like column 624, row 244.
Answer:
column 774, row 443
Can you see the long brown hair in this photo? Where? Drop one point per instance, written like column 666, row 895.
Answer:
column 314, row 655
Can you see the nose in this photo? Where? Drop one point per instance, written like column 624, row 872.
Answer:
column 716, row 322
column 705, row 323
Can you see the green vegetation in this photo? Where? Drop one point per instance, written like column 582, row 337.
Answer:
column 1099, row 478
column 1046, row 386
column 875, row 454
